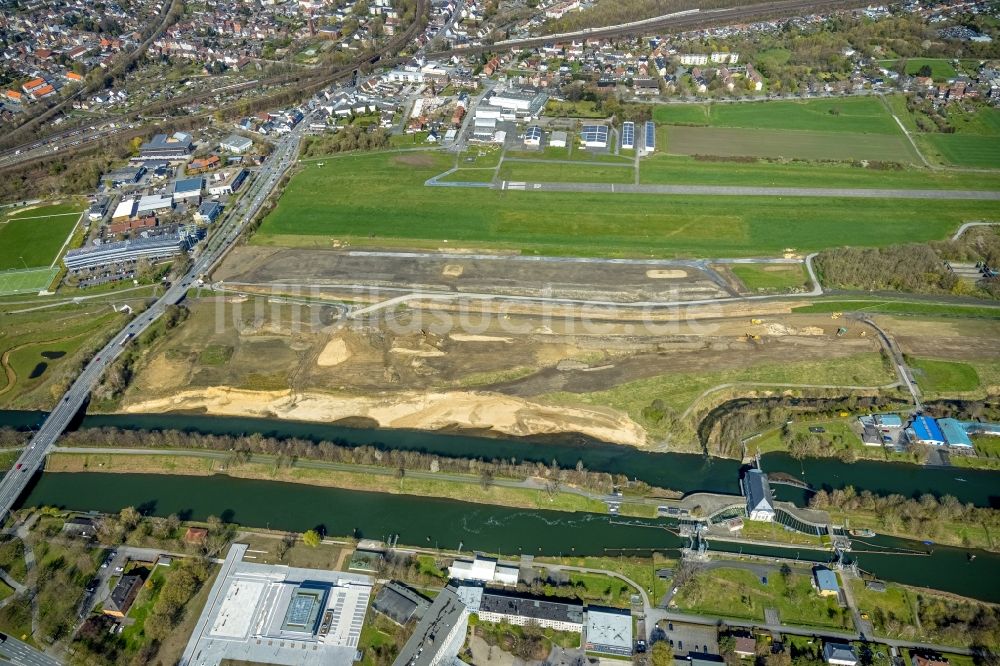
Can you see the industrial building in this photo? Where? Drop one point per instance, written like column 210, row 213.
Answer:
column 609, row 631
column 594, row 136
column 107, row 254
column 154, row 203
column 558, row 139
column 628, row 135
column 757, row 490
column 279, row 615
column 208, row 212
column 533, row 136
column 226, row 182
column 949, row 432
column 235, row 143
column 174, row 147
column 519, row 104
column 188, row 189
column 521, row 610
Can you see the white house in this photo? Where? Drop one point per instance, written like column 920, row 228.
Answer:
column 760, row 501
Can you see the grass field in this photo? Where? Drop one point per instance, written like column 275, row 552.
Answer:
column 943, row 376
column 778, row 143
column 860, row 115
column 941, row 68
column 770, row 277
column 891, row 612
column 25, row 281
column 537, row 172
column 902, row 307
column 970, row 150
column 741, row 594
column 379, row 199
column 682, row 170
column 32, row 238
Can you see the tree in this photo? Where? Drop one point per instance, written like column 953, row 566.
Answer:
column 661, row 654
column 311, row 538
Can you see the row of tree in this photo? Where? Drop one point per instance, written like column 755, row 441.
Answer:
column 241, row 448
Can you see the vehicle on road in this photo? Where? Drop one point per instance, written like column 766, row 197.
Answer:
column 19, row 466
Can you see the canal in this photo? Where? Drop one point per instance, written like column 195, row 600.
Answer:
column 447, row 524
column 683, row 472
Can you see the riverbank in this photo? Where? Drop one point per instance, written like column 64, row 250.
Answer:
column 528, row 494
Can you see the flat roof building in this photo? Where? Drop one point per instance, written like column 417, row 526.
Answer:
column 439, row 634
column 533, row 136
column 94, row 256
column 226, row 182
column 154, row 203
column 955, row 433
column 176, row 146
column 650, row 137
column 483, row 570
column 594, row 136
column 826, row 582
column 925, row 430
column 235, row 143
column 609, row 630
column 188, row 189
column 279, row 615
column 517, row 610
column 208, row 212
column 558, row 139
column 757, row 490
column 125, row 209
column 628, row 135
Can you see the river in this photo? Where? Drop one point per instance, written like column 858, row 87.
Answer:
column 432, row 523
column 683, row 472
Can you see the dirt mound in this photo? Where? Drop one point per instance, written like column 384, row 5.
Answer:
column 453, row 270
column 668, row 274
column 414, row 159
column 334, row 353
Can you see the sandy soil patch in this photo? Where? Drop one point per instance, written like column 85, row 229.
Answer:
column 781, row 329
column 503, row 414
column 453, row 270
column 468, row 337
column 777, row 268
column 667, row 274
column 334, row 353
column 423, row 353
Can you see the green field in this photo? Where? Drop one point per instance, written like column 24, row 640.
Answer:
column 683, row 170
column 859, row 115
column 26, row 281
column 943, row 376
column 902, row 307
column 558, row 172
column 779, row 143
column 32, row 238
column 380, row 199
column 941, row 68
column 969, row 150
column 770, row 277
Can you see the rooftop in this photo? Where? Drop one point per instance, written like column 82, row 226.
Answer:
column 539, row 609
column 609, row 628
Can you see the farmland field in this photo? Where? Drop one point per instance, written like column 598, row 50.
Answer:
column 379, row 199
column 770, row 277
column 804, row 145
column 858, row 115
column 32, row 238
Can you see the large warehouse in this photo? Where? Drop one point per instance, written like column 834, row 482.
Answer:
column 279, row 615
column 594, row 136
column 609, row 630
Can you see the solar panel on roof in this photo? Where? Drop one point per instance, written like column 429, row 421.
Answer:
column 597, row 133
column 628, row 135
column 650, row 135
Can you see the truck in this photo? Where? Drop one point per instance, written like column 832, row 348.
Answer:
column 128, row 336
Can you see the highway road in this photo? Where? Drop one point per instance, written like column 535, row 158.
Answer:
column 22, row 654
column 267, row 179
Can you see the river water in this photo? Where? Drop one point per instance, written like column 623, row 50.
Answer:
column 439, row 523
column 683, row 472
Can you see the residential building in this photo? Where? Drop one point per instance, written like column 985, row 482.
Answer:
column 122, row 597
column 439, row 634
column 926, row 659
column 80, row 526
column 839, row 654
column 520, row 611
column 400, row 603
column 609, row 631
column 760, row 501
column 744, row 645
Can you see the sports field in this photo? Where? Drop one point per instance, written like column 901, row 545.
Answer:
column 858, row 115
column 379, row 199
column 26, row 281
column 33, row 237
column 803, row 145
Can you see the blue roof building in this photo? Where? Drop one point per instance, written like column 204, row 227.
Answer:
column 826, row 581
column 889, row 420
column 955, row 433
column 925, row 430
